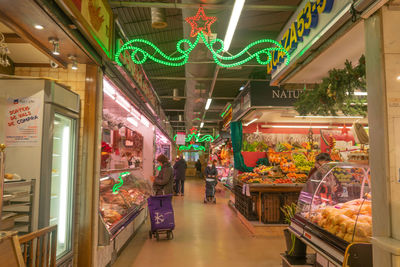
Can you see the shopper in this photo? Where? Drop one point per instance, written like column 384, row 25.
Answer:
column 211, row 169
column 180, row 174
column 163, row 182
column 198, row 168
column 320, row 159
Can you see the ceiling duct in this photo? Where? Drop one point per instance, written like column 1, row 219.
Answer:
column 158, row 18
column 175, row 94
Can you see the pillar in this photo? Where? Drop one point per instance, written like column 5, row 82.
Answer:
column 382, row 40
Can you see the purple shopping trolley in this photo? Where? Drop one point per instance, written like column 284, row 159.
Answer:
column 161, row 216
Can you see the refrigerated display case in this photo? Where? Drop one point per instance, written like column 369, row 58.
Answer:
column 122, row 197
column 41, row 142
column 334, row 212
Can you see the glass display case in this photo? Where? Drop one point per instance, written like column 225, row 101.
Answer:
column 334, row 208
column 122, row 196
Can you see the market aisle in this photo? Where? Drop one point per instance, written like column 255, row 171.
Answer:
column 205, row 235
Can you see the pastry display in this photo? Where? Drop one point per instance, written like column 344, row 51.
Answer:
column 336, row 198
column 351, row 221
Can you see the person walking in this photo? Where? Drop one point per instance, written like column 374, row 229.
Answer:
column 198, row 169
column 180, row 174
column 163, row 182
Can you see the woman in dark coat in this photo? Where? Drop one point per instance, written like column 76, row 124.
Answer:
column 180, row 174
column 211, row 170
column 163, row 182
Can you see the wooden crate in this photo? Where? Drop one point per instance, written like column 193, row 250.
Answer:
column 271, row 203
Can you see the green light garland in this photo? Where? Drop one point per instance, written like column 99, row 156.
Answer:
column 223, row 61
column 194, row 147
column 198, row 139
column 116, row 187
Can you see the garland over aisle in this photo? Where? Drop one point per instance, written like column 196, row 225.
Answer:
column 340, row 92
column 143, row 50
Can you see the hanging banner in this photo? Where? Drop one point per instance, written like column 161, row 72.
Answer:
column 24, row 121
column 180, row 139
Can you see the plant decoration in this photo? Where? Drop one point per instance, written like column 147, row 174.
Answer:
column 146, row 50
column 336, row 93
column 289, row 212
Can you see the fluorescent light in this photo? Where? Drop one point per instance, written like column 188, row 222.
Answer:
column 241, row 88
column 135, row 113
column 144, row 121
column 38, row 27
column 108, row 89
column 201, row 124
column 132, row 121
column 64, row 178
column 358, row 93
column 398, row 78
column 208, row 103
column 123, row 103
column 295, row 126
column 250, row 122
column 332, row 117
column 236, row 11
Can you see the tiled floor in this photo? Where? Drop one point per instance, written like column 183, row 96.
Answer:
column 205, row 235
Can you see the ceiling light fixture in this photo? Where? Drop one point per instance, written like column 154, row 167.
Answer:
column 38, row 27
column 250, row 122
column 56, row 46
column 74, row 63
column 236, row 11
column 295, row 126
column 201, row 124
column 331, row 117
column 208, row 103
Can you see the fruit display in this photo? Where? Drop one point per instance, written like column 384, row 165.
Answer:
column 351, row 221
column 302, row 163
column 262, row 169
column 288, row 167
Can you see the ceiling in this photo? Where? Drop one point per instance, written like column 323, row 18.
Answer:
column 253, row 25
column 21, row 51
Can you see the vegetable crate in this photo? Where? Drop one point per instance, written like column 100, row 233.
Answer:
column 245, row 205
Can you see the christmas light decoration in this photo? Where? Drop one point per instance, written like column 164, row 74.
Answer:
column 116, row 187
column 184, row 47
column 198, row 138
column 193, row 22
column 191, row 146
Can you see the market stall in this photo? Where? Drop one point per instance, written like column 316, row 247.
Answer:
column 127, row 155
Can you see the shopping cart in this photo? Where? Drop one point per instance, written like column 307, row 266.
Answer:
column 161, row 216
column 211, row 183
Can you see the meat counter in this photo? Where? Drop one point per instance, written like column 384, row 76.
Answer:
column 122, row 197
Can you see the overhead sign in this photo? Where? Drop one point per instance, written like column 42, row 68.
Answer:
column 263, row 95
column 180, row 139
column 311, row 20
column 94, row 18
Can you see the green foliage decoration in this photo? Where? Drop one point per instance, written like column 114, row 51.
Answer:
column 336, row 93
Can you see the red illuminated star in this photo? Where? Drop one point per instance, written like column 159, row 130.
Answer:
column 208, row 21
column 345, row 130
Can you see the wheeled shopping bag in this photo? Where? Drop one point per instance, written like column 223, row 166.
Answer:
column 161, row 216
